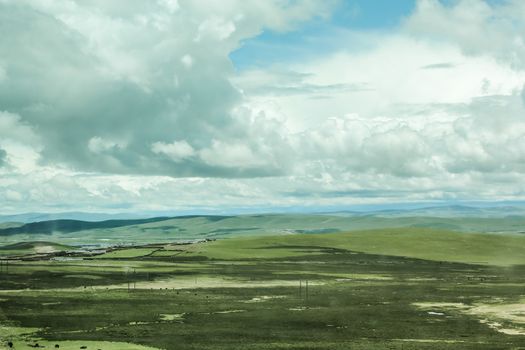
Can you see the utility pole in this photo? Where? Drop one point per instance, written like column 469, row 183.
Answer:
column 300, row 289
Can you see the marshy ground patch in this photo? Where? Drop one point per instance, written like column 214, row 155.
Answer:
column 229, row 311
column 507, row 318
column 263, row 298
column 172, row 317
column 204, row 282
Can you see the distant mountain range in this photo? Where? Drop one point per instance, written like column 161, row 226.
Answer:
column 430, row 211
column 195, row 227
column 66, row 226
column 36, row 217
column 443, row 212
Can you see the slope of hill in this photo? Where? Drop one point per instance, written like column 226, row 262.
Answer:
column 46, row 227
column 428, row 244
column 8, row 224
column 35, row 247
column 113, row 232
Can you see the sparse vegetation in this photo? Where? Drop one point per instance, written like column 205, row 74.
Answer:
column 367, row 290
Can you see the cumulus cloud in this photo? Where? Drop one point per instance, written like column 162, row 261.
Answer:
column 478, row 27
column 103, row 81
column 99, row 145
column 491, row 139
column 484, row 136
column 216, row 28
column 409, row 122
column 14, row 129
column 129, row 104
column 232, row 155
column 177, row 150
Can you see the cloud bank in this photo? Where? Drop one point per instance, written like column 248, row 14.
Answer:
column 106, row 84
column 136, row 105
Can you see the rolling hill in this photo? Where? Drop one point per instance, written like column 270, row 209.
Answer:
column 47, row 227
column 35, row 247
column 163, row 229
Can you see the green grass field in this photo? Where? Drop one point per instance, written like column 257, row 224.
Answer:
column 380, row 289
column 427, row 244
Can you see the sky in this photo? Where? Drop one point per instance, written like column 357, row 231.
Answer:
column 166, row 105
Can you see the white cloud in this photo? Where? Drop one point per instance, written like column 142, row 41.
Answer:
column 231, row 155
column 97, row 144
column 187, row 61
column 171, row 5
column 112, row 118
column 13, row 128
column 86, row 75
column 387, row 79
column 479, row 28
column 216, row 28
column 19, row 143
column 14, row 196
column 176, row 151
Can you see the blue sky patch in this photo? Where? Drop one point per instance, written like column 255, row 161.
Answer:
column 319, row 36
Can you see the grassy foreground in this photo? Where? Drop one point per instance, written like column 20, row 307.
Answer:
column 383, row 289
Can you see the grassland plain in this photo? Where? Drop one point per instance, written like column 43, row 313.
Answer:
column 382, row 289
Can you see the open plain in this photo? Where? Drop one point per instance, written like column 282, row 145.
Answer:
column 356, row 290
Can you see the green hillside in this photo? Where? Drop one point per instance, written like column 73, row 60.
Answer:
column 199, row 227
column 429, row 244
column 37, row 247
column 47, row 227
